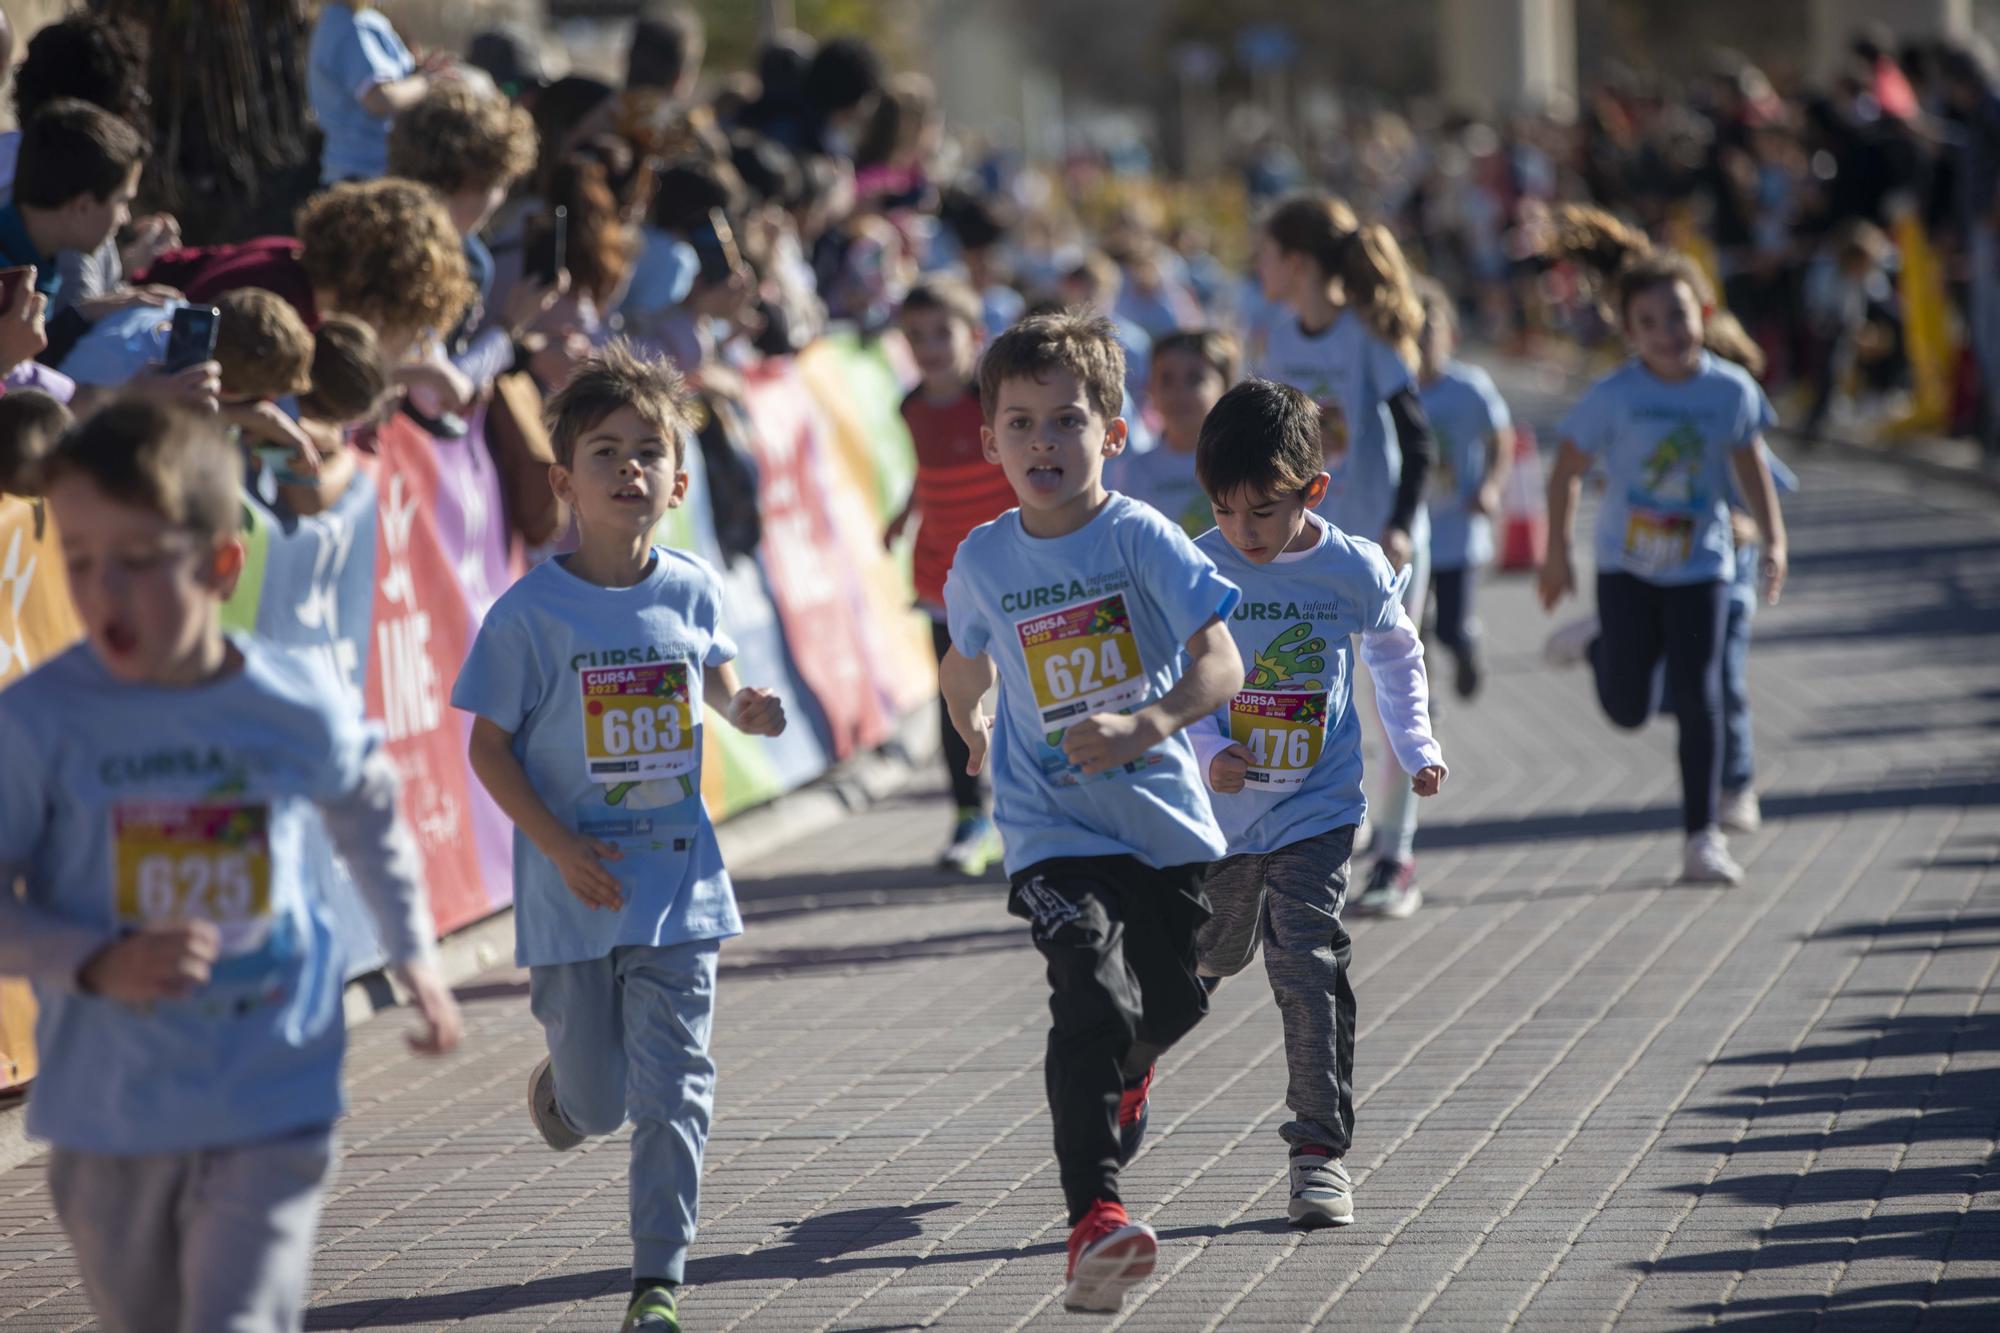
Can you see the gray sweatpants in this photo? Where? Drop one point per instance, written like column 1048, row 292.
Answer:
column 215, row 1241
column 1290, row 899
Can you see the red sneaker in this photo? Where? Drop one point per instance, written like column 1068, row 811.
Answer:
column 1109, row 1254
column 1132, row 1115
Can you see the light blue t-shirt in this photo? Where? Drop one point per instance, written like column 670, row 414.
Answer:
column 1464, row 409
column 1093, row 621
column 1295, row 713
column 122, row 344
column 601, row 689
column 1665, row 450
column 1349, row 369
column 1165, row 480
column 349, row 51
column 122, row 804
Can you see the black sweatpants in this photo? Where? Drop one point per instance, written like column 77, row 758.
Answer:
column 1641, row 623
column 967, row 792
column 1452, row 594
column 1119, row 938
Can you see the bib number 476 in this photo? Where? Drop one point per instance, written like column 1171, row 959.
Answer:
column 1280, row 747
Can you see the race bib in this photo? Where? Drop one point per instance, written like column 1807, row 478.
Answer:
column 1284, row 731
column 194, row 861
column 1082, row 660
column 638, row 722
column 1658, row 540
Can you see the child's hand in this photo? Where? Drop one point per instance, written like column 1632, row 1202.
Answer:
column 166, row 962
column 976, row 741
column 580, row 862
column 1104, row 742
column 435, row 1005
column 197, row 388
column 757, row 712
column 1226, row 770
column 1486, row 500
column 1427, row 780
column 1554, row 581
column 1777, row 563
column 1396, row 544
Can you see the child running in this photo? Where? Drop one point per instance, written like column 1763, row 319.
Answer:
column 1670, row 427
column 1285, row 761
column 587, row 681
column 1191, row 369
column 1348, row 338
column 956, row 490
column 1475, row 443
column 1084, row 602
column 159, row 783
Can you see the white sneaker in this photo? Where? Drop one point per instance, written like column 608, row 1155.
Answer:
column 1740, row 811
column 543, row 1109
column 1707, row 861
column 1570, row 644
column 1322, row 1195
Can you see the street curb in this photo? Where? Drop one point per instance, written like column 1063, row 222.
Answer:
column 847, row 789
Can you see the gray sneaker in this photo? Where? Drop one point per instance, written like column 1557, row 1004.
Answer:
column 1322, row 1195
column 543, row 1110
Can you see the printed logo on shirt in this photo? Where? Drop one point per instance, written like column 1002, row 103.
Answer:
column 1058, row 594
column 1327, row 610
column 125, row 769
column 617, row 657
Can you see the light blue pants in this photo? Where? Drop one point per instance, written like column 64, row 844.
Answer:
column 1396, row 826
column 628, row 1038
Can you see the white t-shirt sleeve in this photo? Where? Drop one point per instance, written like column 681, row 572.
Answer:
column 1395, row 659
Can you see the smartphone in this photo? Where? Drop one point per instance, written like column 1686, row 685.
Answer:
column 191, row 341
column 11, row 280
column 550, row 253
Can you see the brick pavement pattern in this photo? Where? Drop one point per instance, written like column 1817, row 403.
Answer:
column 1588, row 1097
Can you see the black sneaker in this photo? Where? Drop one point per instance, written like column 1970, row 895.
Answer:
column 1470, row 674
column 1391, row 890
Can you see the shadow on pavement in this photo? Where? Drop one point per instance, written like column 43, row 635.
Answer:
column 1926, row 1112
column 1617, row 820
column 500, row 1298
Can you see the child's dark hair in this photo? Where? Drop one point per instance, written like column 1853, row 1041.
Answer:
column 844, row 72
column 99, row 59
column 619, row 377
column 1722, row 333
column 1217, row 347
column 30, row 424
column 1081, row 343
column 953, row 297
column 72, row 148
column 349, row 378
column 1262, row 438
column 662, row 46
column 263, row 347
column 156, row 457
column 1366, row 259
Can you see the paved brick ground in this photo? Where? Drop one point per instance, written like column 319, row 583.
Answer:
column 1589, row 1097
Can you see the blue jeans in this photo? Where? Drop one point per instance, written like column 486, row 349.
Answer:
column 1738, row 759
column 628, row 1037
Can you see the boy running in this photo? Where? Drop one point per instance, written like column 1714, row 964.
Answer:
column 155, row 798
column 1084, row 602
column 588, row 680
column 1285, row 761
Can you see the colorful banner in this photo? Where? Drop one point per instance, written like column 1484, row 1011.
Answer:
column 390, row 584
column 36, row 622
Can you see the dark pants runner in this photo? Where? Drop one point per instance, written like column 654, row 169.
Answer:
column 1642, row 623
column 1119, row 940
